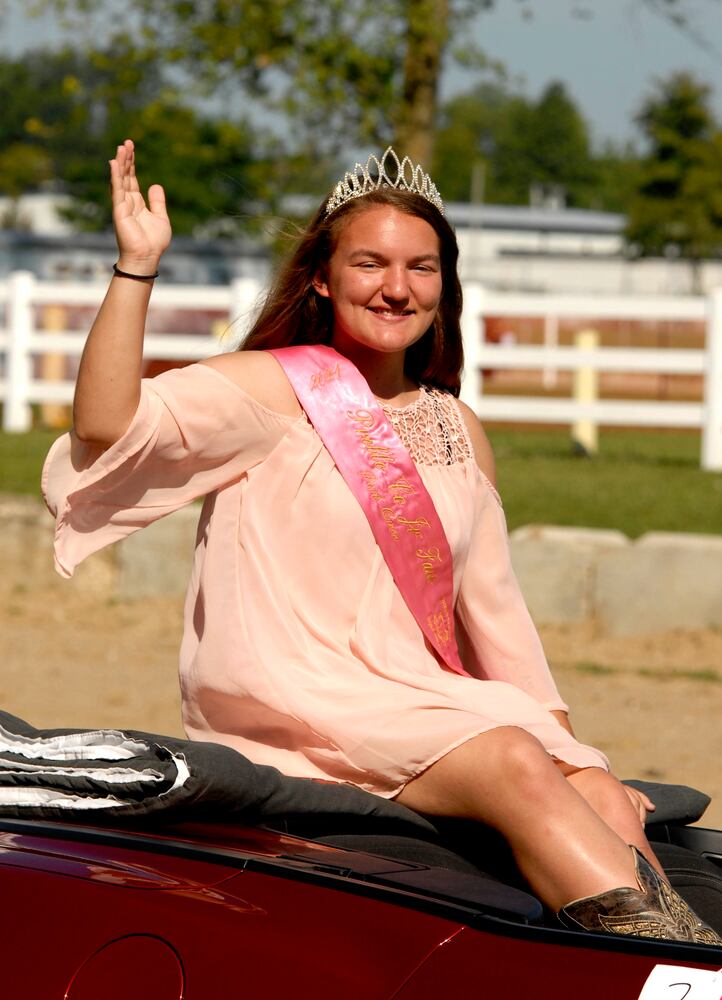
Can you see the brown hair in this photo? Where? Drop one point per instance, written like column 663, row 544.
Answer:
column 293, row 312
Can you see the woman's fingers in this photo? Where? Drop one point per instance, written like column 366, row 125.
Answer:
column 121, row 197
column 124, row 182
column 640, row 810
column 142, row 230
column 118, row 172
column 125, row 158
column 645, row 800
column 641, row 802
column 156, row 201
column 130, row 152
column 117, row 192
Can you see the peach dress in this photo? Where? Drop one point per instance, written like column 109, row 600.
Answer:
column 298, row 650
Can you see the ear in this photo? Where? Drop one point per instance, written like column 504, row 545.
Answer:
column 320, row 285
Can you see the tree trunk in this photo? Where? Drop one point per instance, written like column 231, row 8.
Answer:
column 427, row 33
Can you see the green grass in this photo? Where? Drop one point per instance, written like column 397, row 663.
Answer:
column 21, row 459
column 655, row 673
column 704, row 676
column 640, row 481
column 598, row 669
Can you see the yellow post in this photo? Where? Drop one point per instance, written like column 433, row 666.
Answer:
column 220, row 329
column 52, row 368
column 585, row 390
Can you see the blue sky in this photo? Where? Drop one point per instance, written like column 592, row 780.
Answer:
column 607, row 52
column 608, row 55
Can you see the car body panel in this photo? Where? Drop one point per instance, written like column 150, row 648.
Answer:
column 232, row 932
column 503, row 969
column 129, row 966
column 210, row 911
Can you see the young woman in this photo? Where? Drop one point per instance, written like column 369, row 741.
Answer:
column 304, row 646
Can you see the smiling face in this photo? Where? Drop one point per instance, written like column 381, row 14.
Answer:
column 383, row 281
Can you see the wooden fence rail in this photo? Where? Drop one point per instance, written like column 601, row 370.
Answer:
column 22, row 340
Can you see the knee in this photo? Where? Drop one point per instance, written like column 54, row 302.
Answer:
column 521, row 759
column 607, row 797
column 486, row 778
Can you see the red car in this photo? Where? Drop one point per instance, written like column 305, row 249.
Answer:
column 208, row 911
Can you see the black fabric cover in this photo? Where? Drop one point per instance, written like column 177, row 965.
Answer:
column 223, row 784
column 419, row 852
column 697, row 880
column 675, row 803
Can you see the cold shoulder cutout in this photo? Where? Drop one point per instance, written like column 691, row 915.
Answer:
column 260, row 375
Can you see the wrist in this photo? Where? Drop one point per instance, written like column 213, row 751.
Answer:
column 141, row 277
column 142, row 266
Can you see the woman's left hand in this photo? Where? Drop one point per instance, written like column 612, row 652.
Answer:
column 641, row 803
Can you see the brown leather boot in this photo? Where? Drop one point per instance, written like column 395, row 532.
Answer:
column 654, row 910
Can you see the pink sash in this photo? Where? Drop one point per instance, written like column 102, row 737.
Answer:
column 382, row 476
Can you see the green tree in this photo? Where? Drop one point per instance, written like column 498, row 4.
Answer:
column 65, row 113
column 466, row 142
column 339, row 73
column 37, row 100
column 543, row 144
column 22, row 167
column 512, row 145
column 616, row 170
column 677, row 207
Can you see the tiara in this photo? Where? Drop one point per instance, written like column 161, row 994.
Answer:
column 403, row 176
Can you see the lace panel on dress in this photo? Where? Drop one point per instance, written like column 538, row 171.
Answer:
column 432, row 428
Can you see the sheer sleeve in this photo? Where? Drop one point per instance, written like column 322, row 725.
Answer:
column 194, row 431
column 498, row 638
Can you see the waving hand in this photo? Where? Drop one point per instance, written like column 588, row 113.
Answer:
column 109, row 379
column 143, row 231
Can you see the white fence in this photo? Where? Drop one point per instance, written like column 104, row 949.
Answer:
column 706, row 415
column 21, row 341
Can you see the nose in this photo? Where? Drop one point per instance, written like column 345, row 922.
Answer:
column 396, row 284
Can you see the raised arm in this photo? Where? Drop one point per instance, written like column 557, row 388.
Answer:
column 108, row 386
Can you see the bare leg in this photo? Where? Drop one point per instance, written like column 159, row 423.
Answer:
column 606, row 795
column 506, row 779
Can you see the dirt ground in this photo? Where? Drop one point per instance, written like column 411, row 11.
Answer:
column 653, row 704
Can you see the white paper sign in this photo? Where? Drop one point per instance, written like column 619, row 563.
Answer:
column 677, row 982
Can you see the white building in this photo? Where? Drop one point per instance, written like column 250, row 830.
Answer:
column 506, row 247
column 38, row 212
column 519, row 248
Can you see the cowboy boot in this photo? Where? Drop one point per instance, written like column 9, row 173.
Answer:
column 654, row 910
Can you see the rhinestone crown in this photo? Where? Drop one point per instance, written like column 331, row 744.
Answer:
column 389, row 172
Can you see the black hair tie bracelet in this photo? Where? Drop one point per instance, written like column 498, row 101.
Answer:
column 135, row 277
